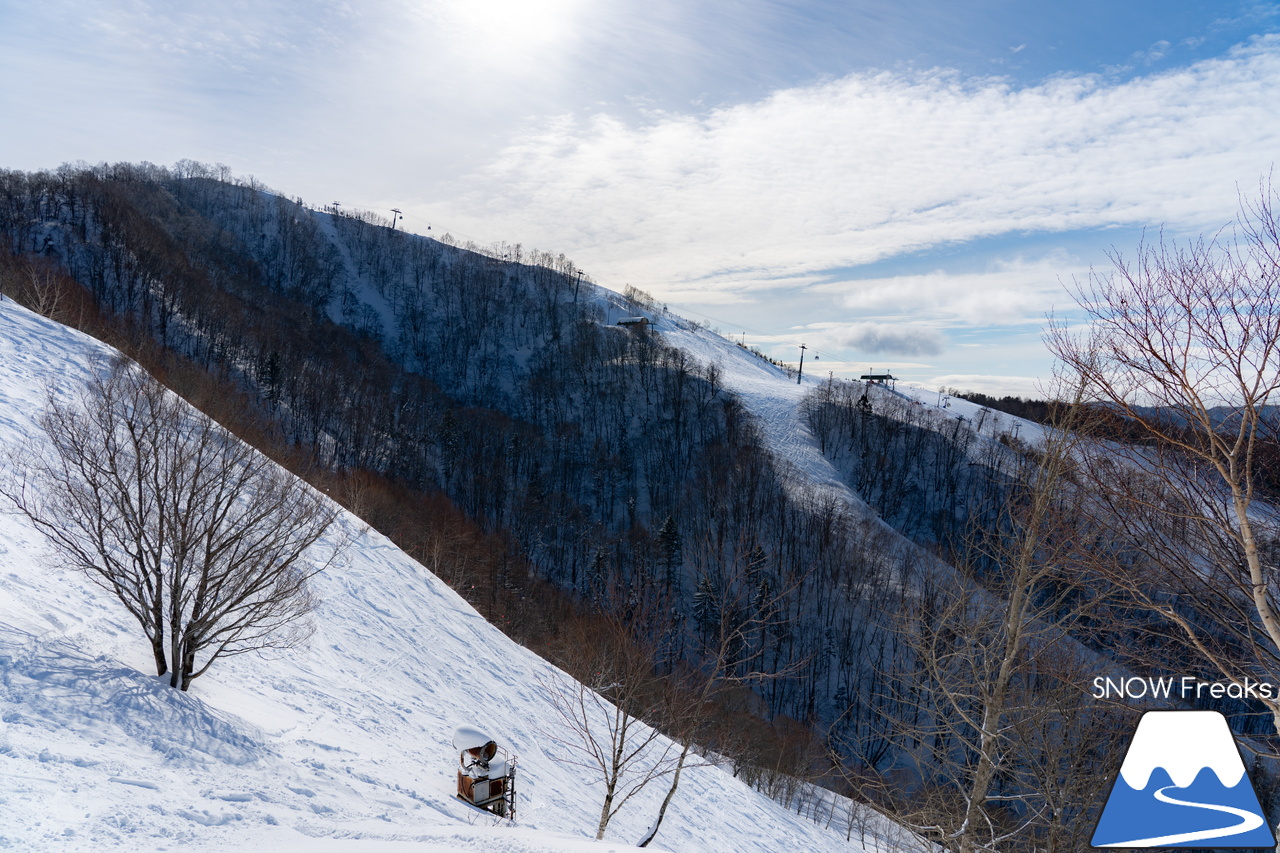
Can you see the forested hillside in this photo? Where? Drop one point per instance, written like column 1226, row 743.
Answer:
column 591, row 455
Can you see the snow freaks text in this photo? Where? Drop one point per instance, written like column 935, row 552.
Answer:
column 1186, row 687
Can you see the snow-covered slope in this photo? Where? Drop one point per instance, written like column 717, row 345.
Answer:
column 775, row 397
column 342, row 746
column 768, row 393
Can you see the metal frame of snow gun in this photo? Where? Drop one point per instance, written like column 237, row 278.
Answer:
column 486, row 773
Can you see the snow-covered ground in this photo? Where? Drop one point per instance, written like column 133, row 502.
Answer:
column 341, row 746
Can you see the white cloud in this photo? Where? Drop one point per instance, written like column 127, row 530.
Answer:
column 873, row 165
column 1153, row 54
column 1010, row 291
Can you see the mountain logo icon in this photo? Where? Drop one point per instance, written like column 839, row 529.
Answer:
column 1182, row 784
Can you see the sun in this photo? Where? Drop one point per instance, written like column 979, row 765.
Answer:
column 515, row 28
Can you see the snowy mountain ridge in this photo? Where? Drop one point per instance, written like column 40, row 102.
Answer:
column 342, row 746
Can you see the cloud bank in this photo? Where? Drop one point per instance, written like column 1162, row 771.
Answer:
column 1009, row 292
column 871, row 166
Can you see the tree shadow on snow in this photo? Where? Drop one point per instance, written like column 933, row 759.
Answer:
column 53, row 684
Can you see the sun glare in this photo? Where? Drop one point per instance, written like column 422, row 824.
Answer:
column 498, row 27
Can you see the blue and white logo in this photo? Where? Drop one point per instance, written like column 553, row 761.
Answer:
column 1183, row 784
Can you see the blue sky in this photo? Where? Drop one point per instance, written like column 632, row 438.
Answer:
column 897, row 184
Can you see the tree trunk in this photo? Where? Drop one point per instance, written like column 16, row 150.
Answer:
column 157, row 650
column 671, row 792
column 175, row 678
column 604, row 813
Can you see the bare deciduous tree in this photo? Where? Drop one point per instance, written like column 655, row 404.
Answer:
column 1182, row 349
column 206, row 542
column 746, row 610
column 637, row 709
column 602, row 710
column 39, row 286
column 987, row 695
